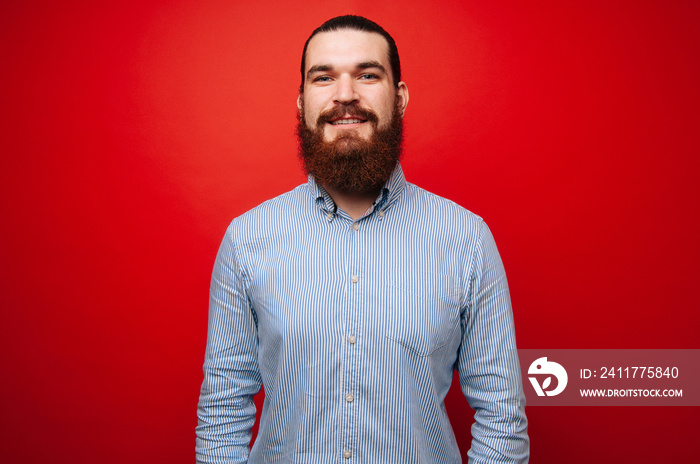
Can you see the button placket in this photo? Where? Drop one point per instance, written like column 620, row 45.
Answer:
column 354, row 318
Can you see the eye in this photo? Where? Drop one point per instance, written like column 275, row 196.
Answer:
column 322, row 79
column 368, row 76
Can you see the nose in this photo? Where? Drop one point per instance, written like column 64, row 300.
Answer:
column 345, row 91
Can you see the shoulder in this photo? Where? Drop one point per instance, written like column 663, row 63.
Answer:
column 441, row 211
column 271, row 215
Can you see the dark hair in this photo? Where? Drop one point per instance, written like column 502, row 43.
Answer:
column 357, row 23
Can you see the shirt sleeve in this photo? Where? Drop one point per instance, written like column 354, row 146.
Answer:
column 226, row 409
column 488, row 366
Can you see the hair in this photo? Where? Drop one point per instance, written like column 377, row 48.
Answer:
column 356, row 23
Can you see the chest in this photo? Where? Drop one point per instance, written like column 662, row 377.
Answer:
column 315, row 289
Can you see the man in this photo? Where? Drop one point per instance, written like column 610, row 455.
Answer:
column 353, row 297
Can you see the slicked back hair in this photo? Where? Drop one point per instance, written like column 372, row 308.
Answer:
column 356, row 23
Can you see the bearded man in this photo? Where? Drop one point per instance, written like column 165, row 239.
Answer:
column 354, row 297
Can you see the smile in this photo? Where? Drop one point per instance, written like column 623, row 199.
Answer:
column 346, row 121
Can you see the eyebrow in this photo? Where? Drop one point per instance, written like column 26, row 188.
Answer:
column 362, row 65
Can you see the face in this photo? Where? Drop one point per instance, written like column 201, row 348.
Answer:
column 348, row 88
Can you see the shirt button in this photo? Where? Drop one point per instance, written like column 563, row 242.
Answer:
column 381, row 213
column 356, row 226
column 352, row 339
column 349, row 398
column 329, row 216
column 347, row 454
column 354, row 279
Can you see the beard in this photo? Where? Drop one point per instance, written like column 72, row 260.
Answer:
column 351, row 164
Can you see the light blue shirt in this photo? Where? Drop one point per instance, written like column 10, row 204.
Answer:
column 355, row 328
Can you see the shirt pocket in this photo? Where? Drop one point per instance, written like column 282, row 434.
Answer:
column 422, row 310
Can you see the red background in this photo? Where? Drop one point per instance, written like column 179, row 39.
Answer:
column 133, row 132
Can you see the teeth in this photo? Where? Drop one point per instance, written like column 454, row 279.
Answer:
column 347, row 121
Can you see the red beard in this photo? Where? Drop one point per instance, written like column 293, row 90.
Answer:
column 350, row 163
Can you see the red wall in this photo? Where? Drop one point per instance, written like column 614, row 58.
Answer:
column 133, row 132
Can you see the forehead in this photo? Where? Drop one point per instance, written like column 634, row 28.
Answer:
column 346, row 47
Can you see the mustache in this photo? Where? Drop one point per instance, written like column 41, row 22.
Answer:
column 340, row 110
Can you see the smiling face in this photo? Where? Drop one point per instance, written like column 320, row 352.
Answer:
column 348, row 87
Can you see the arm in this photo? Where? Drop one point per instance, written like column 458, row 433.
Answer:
column 226, row 410
column 488, row 366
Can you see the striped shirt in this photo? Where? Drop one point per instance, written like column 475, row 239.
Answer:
column 355, row 328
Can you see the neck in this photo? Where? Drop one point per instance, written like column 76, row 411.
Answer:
column 355, row 204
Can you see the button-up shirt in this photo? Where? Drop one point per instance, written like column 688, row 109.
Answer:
column 355, row 328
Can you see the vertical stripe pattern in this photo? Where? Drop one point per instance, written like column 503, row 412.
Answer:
column 355, row 328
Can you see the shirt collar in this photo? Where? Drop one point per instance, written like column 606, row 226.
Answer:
column 391, row 192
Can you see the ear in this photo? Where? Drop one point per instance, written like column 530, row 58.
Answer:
column 402, row 95
column 300, row 102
